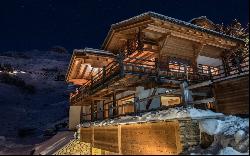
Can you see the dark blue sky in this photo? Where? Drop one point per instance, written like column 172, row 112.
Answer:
column 41, row 24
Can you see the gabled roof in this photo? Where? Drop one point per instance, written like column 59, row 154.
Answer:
column 168, row 19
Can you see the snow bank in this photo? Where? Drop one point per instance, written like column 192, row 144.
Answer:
column 231, row 133
column 230, row 151
column 227, row 126
column 239, row 136
column 171, row 113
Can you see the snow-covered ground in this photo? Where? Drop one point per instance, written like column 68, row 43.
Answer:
column 171, row 113
column 41, row 109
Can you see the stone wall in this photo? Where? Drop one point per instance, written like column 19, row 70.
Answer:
column 189, row 133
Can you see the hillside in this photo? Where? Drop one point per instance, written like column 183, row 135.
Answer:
column 33, row 94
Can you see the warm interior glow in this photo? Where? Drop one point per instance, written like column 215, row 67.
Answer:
column 179, row 67
column 205, row 70
column 169, row 101
column 126, row 105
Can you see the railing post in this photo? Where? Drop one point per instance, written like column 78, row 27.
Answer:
column 92, row 110
column 185, row 71
column 121, row 64
column 81, row 114
column 103, row 109
column 168, row 60
column 210, row 73
column 237, row 59
column 114, row 104
column 157, row 69
column 91, row 83
column 103, row 73
column 225, row 66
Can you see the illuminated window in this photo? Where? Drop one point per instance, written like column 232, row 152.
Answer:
column 205, row 69
column 170, row 101
column 179, row 67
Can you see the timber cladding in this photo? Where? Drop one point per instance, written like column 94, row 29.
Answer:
column 144, row 138
column 233, row 96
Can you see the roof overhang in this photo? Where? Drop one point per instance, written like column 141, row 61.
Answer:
column 86, row 62
column 151, row 21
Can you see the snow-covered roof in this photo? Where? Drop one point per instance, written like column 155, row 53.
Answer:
column 168, row 19
column 201, row 18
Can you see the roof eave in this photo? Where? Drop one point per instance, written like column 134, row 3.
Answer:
column 164, row 18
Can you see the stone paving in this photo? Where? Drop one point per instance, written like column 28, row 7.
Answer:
column 75, row 147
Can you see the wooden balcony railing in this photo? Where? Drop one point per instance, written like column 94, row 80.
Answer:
column 138, row 66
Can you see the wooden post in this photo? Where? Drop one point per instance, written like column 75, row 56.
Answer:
column 185, row 71
column 114, row 104
column 135, row 103
column 103, row 73
column 81, row 115
column 92, row 110
column 197, row 50
column 168, row 60
column 225, row 66
column 121, row 65
column 157, row 70
column 103, row 109
column 91, row 78
column 238, row 64
column 210, row 73
column 195, row 69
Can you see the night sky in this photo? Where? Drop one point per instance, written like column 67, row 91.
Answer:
column 42, row 24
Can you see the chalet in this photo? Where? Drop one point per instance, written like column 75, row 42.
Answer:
column 151, row 62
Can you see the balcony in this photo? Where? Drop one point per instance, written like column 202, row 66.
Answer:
column 150, row 68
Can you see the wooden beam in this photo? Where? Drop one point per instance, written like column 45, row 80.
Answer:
column 100, row 98
column 124, row 29
column 202, row 84
column 81, row 75
column 197, row 50
column 165, row 40
column 191, row 37
column 90, row 73
column 204, row 101
column 75, row 69
column 199, row 94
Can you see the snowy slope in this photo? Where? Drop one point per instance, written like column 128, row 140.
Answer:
column 49, row 102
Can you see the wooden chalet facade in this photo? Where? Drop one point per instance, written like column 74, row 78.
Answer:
column 143, row 63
